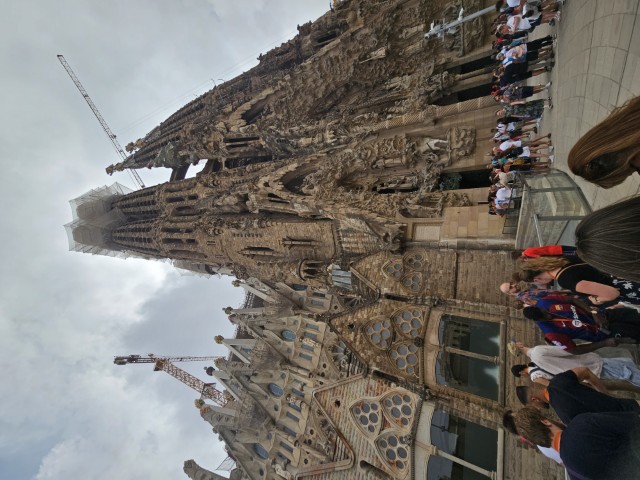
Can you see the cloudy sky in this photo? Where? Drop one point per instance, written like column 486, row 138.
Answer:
column 66, row 411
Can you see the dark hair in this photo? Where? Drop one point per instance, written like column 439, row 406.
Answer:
column 534, row 313
column 517, row 369
column 522, row 393
column 508, row 422
column 609, row 239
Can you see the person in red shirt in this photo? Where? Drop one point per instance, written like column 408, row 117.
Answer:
column 547, row 251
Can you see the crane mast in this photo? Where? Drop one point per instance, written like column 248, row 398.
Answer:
column 207, row 390
column 112, row 137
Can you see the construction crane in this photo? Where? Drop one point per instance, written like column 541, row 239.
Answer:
column 114, row 141
column 206, row 390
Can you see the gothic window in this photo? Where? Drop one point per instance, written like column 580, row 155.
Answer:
column 367, row 415
column 409, row 322
column 288, row 431
column 299, row 243
column 287, row 447
column 261, row 451
column 470, row 334
column 379, row 332
column 388, row 420
column 469, row 374
column 311, row 326
column 404, row 357
column 258, row 251
column 340, row 278
column 304, row 356
column 288, row 335
column 395, row 452
column 306, row 347
column 292, row 417
column 407, row 270
column 463, row 440
column 415, row 261
column 399, row 409
column 393, row 269
column 477, row 371
column 312, row 336
column 275, row 390
column 412, row 282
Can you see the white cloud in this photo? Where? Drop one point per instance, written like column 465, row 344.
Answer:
column 68, row 412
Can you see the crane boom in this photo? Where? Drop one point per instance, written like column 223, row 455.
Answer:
column 112, row 137
column 164, row 364
column 151, row 358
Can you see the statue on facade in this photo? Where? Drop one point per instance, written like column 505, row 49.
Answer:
column 196, row 472
column 279, row 469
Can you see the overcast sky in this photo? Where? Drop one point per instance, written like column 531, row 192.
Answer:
column 67, row 411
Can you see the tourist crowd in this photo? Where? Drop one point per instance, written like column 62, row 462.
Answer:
column 582, row 299
column 519, row 115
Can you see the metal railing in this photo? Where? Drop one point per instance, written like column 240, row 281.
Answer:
column 550, row 208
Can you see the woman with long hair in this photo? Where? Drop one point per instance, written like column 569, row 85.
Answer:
column 608, row 153
column 609, row 239
column 579, row 277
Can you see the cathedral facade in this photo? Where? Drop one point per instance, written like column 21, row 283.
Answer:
column 340, row 188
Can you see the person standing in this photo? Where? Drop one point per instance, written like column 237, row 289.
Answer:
column 554, row 360
column 592, row 446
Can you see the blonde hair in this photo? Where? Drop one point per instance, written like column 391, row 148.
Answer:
column 529, row 268
column 609, row 239
column 604, row 154
column 542, row 264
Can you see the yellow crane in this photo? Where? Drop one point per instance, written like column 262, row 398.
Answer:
column 207, row 390
column 114, row 141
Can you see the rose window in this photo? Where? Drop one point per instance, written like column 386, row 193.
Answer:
column 408, row 322
column 415, row 261
column 379, row 332
column 367, row 415
column 405, row 357
column 394, row 452
column 412, row 282
column 399, row 409
column 393, row 269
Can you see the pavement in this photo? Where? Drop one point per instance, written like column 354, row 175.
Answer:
column 597, row 69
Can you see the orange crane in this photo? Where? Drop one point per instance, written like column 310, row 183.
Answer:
column 206, row 390
column 114, row 141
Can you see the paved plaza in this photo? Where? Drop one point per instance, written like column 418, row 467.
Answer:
column 597, row 69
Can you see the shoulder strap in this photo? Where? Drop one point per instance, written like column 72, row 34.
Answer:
column 537, row 367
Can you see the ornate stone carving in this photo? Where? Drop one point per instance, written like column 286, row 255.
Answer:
column 462, row 142
column 282, row 472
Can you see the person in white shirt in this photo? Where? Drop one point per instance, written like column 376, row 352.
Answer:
column 556, row 360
